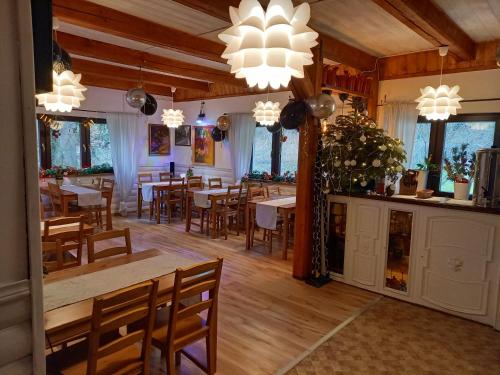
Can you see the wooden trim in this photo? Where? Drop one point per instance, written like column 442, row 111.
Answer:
column 117, row 54
column 432, row 23
column 333, row 48
column 97, row 17
column 429, row 63
column 89, row 79
column 134, row 75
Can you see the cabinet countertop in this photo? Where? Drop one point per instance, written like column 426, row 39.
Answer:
column 431, row 202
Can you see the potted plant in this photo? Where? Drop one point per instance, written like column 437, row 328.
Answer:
column 460, row 170
column 189, row 172
column 423, row 172
column 59, row 176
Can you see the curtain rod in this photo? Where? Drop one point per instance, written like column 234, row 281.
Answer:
column 462, row 101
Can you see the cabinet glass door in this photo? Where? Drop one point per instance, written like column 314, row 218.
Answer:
column 398, row 252
column 336, row 237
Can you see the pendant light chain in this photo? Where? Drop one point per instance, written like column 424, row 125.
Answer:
column 441, row 74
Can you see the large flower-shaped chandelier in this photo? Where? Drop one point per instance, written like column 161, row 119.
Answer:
column 268, row 47
column 66, row 92
column 267, row 113
column 173, row 118
column 440, row 103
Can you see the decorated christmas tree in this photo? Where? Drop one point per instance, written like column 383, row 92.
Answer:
column 356, row 153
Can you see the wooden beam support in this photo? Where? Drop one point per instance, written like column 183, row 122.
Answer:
column 117, row 54
column 97, row 17
column 333, row 49
column 432, row 23
column 308, row 139
column 429, row 63
column 89, row 79
column 134, row 75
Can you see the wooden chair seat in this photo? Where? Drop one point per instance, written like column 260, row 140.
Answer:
column 183, row 328
column 73, row 361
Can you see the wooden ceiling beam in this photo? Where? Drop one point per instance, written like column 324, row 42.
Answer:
column 118, row 84
column 117, row 54
column 97, row 17
column 134, row 75
column 430, row 22
column 333, row 49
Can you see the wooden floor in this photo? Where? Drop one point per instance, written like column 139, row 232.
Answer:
column 266, row 317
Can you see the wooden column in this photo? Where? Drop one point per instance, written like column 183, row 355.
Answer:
column 373, row 98
column 302, row 89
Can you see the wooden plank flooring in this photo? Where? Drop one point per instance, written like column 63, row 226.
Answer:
column 266, row 317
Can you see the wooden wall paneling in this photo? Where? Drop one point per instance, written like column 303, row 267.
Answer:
column 97, row 17
column 308, row 135
column 429, row 63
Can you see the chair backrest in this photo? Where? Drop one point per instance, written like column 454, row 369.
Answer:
column 178, row 191
column 93, row 255
column 254, row 192
column 55, row 197
column 135, row 305
column 69, row 230
column 144, row 177
column 189, row 282
column 215, row 183
column 272, row 190
column 194, row 182
column 96, row 181
column 53, row 255
column 107, row 184
column 233, row 196
column 165, row 176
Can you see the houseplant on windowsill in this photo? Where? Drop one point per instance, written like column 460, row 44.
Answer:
column 423, row 172
column 460, row 170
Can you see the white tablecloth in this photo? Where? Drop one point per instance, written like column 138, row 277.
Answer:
column 79, row 288
column 200, row 197
column 147, row 189
column 86, row 196
column 266, row 213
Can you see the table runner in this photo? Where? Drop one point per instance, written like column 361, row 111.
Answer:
column 200, row 197
column 266, row 212
column 147, row 188
column 86, row 196
column 79, row 288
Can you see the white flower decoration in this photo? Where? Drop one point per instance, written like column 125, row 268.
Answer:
column 376, row 163
column 362, row 138
column 347, row 163
column 383, row 148
column 363, row 183
column 353, row 162
column 336, row 164
column 399, row 168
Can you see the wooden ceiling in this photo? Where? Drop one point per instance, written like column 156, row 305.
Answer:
column 175, row 41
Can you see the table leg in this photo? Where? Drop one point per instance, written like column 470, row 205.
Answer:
column 139, row 202
column 109, row 219
column 247, row 226
column 188, row 213
column 158, row 201
column 213, row 214
column 285, row 234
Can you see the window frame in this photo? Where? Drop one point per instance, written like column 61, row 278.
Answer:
column 436, row 142
column 45, row 139
column 276, row 148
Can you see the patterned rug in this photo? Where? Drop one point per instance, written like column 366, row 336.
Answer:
column 396, row 338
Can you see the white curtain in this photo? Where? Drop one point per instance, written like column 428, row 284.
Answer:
column 240, row 137
column 124, row 137
column 400, row 121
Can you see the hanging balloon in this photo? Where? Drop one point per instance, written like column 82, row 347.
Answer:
column 321, row 106
column 149, row 108
column 218, row 135
column 293, row 114
column 224, row 122
column 276, row 127
column 136, row 97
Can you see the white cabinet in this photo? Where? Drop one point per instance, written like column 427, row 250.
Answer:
column 438, row 257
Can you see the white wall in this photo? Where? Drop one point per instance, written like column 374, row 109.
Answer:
column 473, row 85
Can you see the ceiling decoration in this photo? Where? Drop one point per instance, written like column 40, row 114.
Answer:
column 267, row 113
column 66, row 94
column 173, row 118
column 268, row 47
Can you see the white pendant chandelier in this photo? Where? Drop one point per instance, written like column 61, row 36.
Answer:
column 440, row 103
column 173, row 118
column 267, row 113
column 66, row 92
column 268, row 47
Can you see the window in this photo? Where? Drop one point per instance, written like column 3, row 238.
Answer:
column 275, row 152
column 74, row 145
column 439, row 137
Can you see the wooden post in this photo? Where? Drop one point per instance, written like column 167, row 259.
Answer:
column 373, row 98
column 302, row 89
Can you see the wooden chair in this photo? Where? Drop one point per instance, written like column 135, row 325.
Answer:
column 106, row 184
column 93, row 255
column 70, row 237
column 175, row 197
column 256, row 193
column 196, row 183
column 142, row 178
column 165, row 176
column 272, row 190
column 230, row 209
column 215, row 183
column 135, row 305
column 184, row 325
column 53, row 256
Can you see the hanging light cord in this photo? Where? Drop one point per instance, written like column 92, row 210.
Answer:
column 441, row 74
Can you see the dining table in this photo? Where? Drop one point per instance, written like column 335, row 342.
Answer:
column 147, row 191
column 274, row 206
column 69, row 293
column 71, row 193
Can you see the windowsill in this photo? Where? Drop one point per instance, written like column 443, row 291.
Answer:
column 271, row 181
column 75, row 178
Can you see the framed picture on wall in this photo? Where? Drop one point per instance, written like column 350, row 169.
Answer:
column 183, row 135
column 158, row 140
column 203, row 145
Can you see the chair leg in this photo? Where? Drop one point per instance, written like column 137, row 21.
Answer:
column 211, row 355
column 270, row 238
column 177, row 358
column 202, row 217
column 170, row 360
column 225, row 226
